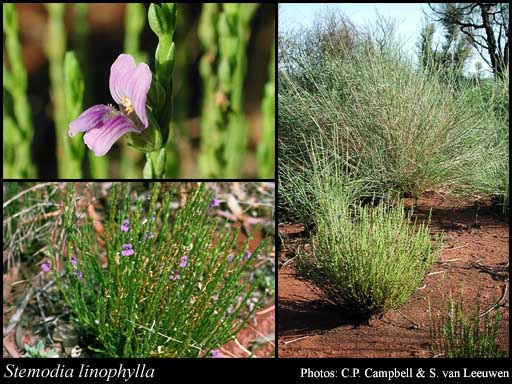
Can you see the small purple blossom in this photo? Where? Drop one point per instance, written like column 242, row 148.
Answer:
column 214, row 202
column 77, row 273
column 148, row 235
column 174, row 276
column 127, row 250
column 74, row 261
column 215, row 297
column 125, row 226
column 183, row 262
column 216, row 354
column 230, row 258
column 104, row 125
column 46, row 266
column 247, row 255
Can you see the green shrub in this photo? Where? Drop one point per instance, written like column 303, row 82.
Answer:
column 409, row 129
column 324, row 176
column 171, row 283
column 455, row 333
column 404, row 127
column 366, row 259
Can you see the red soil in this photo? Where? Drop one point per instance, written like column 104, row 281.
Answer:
column 475, row 256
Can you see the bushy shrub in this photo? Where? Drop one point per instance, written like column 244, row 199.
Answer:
column 409, row 129
column 367, row 259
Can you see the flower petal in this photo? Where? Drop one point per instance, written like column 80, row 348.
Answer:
column 138, row 93
column 120, row 71
column 102, row 138
column 132, row 81
column 90, row 119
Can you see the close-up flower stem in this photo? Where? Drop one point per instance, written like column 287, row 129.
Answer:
column 18, row 130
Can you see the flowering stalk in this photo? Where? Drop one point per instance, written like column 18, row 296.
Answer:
column 73, row 99
column 17, row 123
column 224, row 31
column 266, row 147
column 56, row 48
column 162, row 20
column 172, row 283
column 134, row 21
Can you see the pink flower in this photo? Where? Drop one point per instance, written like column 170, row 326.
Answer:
column 46, row 267
column 214, row 202
column 127, row 250
column 104, row 125
column 183, row 262
column 125, row 226
column 216, row 354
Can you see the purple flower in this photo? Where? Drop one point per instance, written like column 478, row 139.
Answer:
column 104, row 125
column 216, row 354
column 74, row 261
column 183, row 262
column 77, row 273
column 214, row 203
column 247, row 255
column 127, row 250
column 125, row 226
column 230, row 258
column 215, row 297
column 45, row 266
column 174, row 276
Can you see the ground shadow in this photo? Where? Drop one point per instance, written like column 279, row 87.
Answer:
column 314, row 316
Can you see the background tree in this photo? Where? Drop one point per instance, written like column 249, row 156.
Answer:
column 485, row 25
column 450, row 54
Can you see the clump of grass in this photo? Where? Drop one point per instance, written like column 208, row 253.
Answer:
column 490, row 97
column 366, row 259
column 456, row 333
column 304, row 184
column 165, row 283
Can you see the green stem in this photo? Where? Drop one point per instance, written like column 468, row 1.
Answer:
column 68, row 166
column 162, row 20
column 18, row 129
column 224, row 33
column 266, row 146
column 74, row 97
